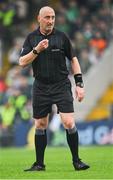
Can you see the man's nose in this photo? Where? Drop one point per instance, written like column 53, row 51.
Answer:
column 51, row 20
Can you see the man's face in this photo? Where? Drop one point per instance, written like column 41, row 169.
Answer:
column 46, row 20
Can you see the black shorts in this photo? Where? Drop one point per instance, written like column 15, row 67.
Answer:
column 45, row 95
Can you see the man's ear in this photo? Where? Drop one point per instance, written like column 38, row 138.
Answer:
column 38, row 19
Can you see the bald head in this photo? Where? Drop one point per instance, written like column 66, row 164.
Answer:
column 46, row 19
column 45, row 9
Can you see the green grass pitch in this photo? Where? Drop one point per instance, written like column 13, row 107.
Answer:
column 58, row 163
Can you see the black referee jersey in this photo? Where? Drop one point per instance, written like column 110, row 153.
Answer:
column 50, row 65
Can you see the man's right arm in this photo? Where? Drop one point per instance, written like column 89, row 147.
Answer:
column 27, row 59
column 30, row 57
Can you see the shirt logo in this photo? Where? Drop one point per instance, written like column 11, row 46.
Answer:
column 55, row 50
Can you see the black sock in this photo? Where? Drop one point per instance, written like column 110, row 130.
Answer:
column 72, row 139
column 40, row 145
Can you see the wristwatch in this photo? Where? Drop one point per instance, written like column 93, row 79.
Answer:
column 35, row 51
column 80, row 84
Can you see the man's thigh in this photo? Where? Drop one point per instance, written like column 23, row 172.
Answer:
column 63, row 98
column 41, row 102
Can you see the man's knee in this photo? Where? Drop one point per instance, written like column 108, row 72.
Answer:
column 67, row 120
column 68, row 124
column 41, row 123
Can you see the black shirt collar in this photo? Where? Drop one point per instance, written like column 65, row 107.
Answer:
column 40, row 34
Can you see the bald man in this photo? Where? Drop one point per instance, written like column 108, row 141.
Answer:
column 46, row 49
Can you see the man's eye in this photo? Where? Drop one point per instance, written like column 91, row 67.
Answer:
column 46, row 17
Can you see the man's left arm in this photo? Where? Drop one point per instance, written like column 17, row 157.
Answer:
column 79, row 92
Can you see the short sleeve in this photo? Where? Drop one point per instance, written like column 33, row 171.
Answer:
column 26, row 47
column 69, row 52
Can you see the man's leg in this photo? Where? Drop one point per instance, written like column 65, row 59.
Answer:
column 40, row 143
column 40, row 139
column 72, row 139
column 71, row 134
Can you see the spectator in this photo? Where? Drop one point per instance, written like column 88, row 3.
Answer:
column 7, row 115
column 84, row 60
column 98, row 42
column 14, row 52
column 72, row 12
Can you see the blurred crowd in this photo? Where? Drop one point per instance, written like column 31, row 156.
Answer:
column 87, row 23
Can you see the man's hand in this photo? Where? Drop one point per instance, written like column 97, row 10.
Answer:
column 79, row 93
column 42, row 45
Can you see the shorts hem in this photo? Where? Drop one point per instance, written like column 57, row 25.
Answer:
column 39, row 117
column 72, row 111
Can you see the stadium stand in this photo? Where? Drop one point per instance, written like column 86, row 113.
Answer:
column 87, row 23
column 104, row 107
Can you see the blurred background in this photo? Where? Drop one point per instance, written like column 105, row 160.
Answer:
column 89, row 24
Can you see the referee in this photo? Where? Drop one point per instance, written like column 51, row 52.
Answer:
column 46, row 49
